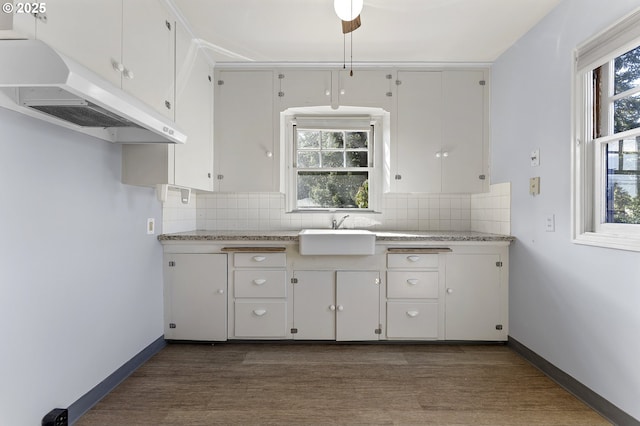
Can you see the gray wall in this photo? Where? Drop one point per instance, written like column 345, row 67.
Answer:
column 577, row 306
column 80, row 281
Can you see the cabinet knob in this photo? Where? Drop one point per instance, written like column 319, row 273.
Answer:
column 327, row 92
column 259, row 281
column 340, row 308
column 117, row 66
column 445, row 154
column 438, row 154
column 413, row 258
column 412, row 314
column 128, row 74
column 332, row 307
column 220, row 291
column 259, row 312
column 412, row 281
column 449, row 290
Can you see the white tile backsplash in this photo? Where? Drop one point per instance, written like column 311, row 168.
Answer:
column 487, row 212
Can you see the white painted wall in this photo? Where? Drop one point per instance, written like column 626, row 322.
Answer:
column 577, row 306
column 80, row 281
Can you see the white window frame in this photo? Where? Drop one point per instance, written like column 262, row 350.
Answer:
column 588, row 154
column 330, row 121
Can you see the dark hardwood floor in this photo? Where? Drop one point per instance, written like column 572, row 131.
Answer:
column 349, row 384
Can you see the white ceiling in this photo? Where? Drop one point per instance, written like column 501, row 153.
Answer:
column 392, row 30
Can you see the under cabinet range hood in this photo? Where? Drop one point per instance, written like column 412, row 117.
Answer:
column 38, row 81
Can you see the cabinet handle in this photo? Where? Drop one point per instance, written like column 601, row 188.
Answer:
column 412, row 314
column 117, row 66
column 259, row 281
column 449, row 290
column 220, row 291
column 259, row 312
column 340, row 308
column 259, row 258
column 413, row 258
column 128, row 74
column 412, row 281
column 332, row 307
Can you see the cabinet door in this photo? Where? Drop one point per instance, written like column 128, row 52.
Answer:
column 357, row 305
column 194, row 115
column 148, row 43
column 303, row 88
column 195, row 296
column 245, row 155
column 314, row 309
column 473, row 307
column 366, row 88
column 418, row 132
column 463, row 157
column 89, row 32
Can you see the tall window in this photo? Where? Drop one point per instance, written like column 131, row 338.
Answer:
column 607, row 149
column 332, row 167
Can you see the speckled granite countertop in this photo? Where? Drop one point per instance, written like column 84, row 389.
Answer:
column 292, row 236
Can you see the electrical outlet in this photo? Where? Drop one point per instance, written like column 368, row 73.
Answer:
column 535, row 158
column 550, row 224
column 534, row 185
column 151, row 226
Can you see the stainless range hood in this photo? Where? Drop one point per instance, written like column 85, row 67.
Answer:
column 38, row 81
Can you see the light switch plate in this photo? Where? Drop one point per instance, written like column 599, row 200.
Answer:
column 151, row 226
column 535, row 158
column 534, row 185
column 550, row 225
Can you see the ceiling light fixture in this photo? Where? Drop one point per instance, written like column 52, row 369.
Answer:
column 348, row 10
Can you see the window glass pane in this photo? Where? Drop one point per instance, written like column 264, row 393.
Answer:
column 333, row 190
column 309, row 139
column 357, row 159
column 308, row 159
column 623, row 181
column 627, row 71
column 626, row 113
column 332, row 159
column 357, row 140
column 332, row 140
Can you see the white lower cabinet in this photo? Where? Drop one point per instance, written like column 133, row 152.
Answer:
column 336, row 305
column 259, row 296
column 195, row 296
column 414, row 285
column 476, row 296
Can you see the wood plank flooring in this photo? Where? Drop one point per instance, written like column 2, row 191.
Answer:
column 345, row 384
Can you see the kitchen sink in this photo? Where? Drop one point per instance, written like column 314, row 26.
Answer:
column 355, row 242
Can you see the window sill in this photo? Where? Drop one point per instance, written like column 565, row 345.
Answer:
column 613, row 241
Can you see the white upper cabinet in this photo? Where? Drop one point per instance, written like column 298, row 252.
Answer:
column 366, row 88
column 440, row 140
column 129, row 43
column 418, row 132
column 245, row 150
column 303, row 88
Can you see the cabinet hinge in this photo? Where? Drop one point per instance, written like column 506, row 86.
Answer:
column 280, row 76
column 498, row 326
column 389, row 94
column 294, row 330
column 172, row 263
column 378, row 281
column 220, row 177
column 220, row 82
column 398, row 82
column 378, row 330
column 281, row 94
column 499, row 264
column 398, row 177
column 167, row 104
column 172, row 325
column 209, row 77
column 388, row 76
column 482, row 82
column 294, row 281
column 209, row 175
column 482, row 177
column 168, row 24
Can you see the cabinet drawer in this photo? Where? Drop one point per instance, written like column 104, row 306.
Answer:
column 412, row 260
column 412, row 320
column 258, row 283
column 412, row 284
column 259, row 260
column 260, row 319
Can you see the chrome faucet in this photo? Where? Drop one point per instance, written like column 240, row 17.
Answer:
column 336, row 224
